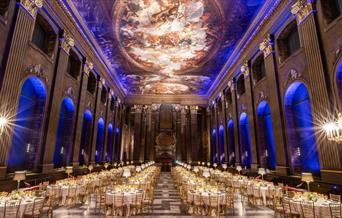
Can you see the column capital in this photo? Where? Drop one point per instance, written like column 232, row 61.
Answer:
column 88, row 66
column 245, row 69
column 193, row 109
column 266, row 46
column 32, row 6
column 302, row 8
column 67, row 42
column 138, row 108
column 102, row 82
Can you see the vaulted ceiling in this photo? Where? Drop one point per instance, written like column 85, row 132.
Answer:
column 167, row 47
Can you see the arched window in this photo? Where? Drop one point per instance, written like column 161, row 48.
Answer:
column 28, row 126
column 112, row 104
column 104, row 95
column 245, row 141
column 4, row 7
column 288, row 42
column 229, row 97
column 266, row 137
column 214, row 148
column 99, row 141
column 110, row 143
column 331, row 9
column 231, row 142
column 85, row 138
column 258, row 68
column 241, row 85
column 117, row 144
column 339, row 81
column 221, row 144
column 300, row 129
column 65, row 134
column 74, row 65
column 44, row 36
column 91, row 87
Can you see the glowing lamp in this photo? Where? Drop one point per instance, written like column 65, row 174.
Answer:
column 126, row 173
column 238, row 168
column 262, row 172
column 69, row 170
column 206, row 173
column 90, row 168
column 215, row 165
column 138, row 169
column 208, row 164
column 224, row 166
column 196, row 169
column 3, row 123
column 19, row 176
column 307, row 177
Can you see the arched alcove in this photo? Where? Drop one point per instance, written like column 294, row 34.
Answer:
column 110, row 142
column 266, row 137
column 231, row 142
column 65, row 134
column 221, row 144
column 300, row 132
column 339, row 81
column 99, row 141
column 24, row 152
column 214, row 148
column 245, row 141
column 85, row 138
column 117, row 144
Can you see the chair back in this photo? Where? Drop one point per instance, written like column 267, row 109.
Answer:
column 38, row 206
column 286, row 205
column 11, row 208
column 214, row 200
column 118, row 200
column 334, row 197
column 197, row 199
column 335, row 209
column 308, row 210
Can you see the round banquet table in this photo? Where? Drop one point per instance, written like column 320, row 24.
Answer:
column 322, row 208
column 129, row 198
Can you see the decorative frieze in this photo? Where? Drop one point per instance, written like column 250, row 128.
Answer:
column 38, row 71
column 301, row 9
column 67, row 42
column 88, row 66
column 102, row 83
column 32, row 6
column 266, row 46
column 245, row 69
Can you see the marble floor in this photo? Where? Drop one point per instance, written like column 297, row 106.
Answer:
column 167, row 203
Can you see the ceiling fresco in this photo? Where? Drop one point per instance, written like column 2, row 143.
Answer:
column 167, row 46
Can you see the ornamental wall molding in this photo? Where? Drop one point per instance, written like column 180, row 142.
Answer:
column 302, row 8
column 245, row 69
column 32, row 6
column 87, row 67
column 266, row 46
column 67, row 42
column 38, row 71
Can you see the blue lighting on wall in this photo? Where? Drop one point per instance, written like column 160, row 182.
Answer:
column 245, row 141
column 221, row 144
column 99, row 141
column 85, row 137
column 65, row 133
column 231, row 142
column 214, row 152
column 110, row 141
column 301, row 136
column 266, row 137
column 117, row 144
column 28, row 124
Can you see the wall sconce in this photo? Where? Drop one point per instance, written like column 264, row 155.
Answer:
column 333, row 129
column 3, row 124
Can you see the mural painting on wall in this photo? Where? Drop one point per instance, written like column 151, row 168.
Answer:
column 167, row 46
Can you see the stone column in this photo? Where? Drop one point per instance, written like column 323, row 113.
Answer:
column 183, row 134
column 245, row 69
column 56, row 98
column 235, row 118
column 149, row 129
column 107, row 121
column 328, row 152
column 194, row 135
column 223, row 121
column 97, row 116
column 87, row 67
column 274, row 99
column 143, row 135
column 137, row 132
column 11, row 78
column 209, row 132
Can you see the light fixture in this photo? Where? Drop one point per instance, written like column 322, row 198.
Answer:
column 138, row 169
column 106, row 165
column 126, row 173
column 238, row 168
column 3, row 124
column 215, row 165
column 262, row 172
column 333, row 129
column 69, row 170
column 224, row 166
column 206, row 173
column 19, row 176
column 90, row 168
column 307, row 177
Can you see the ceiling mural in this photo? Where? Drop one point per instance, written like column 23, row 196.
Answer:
column 167, row 46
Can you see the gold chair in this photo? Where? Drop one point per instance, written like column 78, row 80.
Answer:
column 335, row 210
column 36, row 209
column 11, row 208
column 198, row 204
column 214, row 205
column 49, row 204
column 308, row 210
column 137, row 204
column 334, row 197
column 257, row 197
column 118, row 205
column 100, row 200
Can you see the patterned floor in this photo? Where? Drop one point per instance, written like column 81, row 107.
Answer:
column 167, row 203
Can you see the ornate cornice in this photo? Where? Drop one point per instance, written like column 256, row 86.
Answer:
column 67, row 42
column 88, row 66
column 301, row 9
column 32, row 6
column 245, row 69
column 266, row 46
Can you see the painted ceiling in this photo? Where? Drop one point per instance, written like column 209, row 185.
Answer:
column 167, row 46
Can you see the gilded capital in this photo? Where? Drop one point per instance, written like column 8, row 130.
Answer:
column 67, row 42
column 301, row 9
column 88, row 66
column 245, row 69
column 32, row 6
column 266, row 46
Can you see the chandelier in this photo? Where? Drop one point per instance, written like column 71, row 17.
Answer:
column 333, row 129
